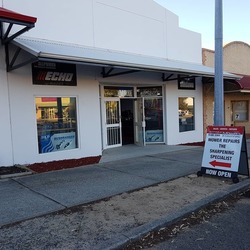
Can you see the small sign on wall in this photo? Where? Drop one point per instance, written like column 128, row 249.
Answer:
column 225, row 152
column 186, row 83
column 52, row 73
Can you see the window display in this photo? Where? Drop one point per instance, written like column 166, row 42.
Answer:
column 186, row 114
column 56, row 123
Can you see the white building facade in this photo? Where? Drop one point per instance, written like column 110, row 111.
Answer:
column 97, row 74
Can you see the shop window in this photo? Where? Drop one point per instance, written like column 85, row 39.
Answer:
column 239, row 111
column 111, row 91
column 186, row 114
column 56, row 123
column 149, row 91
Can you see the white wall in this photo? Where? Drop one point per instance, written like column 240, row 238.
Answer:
column 6, row 154
column 23, row 116
column 172, row 116
column 185, row 46
column 66, row 21
column 134, row 26
column 129, row 30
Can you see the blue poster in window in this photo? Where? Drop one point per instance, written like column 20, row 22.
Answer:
column 154, row 136
column 46, row 144
column 57, row 142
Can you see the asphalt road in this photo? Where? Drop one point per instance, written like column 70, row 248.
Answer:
column 223, row 231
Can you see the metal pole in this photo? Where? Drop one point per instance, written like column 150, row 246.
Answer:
column 218, row 84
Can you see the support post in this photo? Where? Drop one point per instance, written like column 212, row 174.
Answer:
column 218, row 85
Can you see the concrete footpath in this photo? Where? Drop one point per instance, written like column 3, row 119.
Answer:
column 40, row 194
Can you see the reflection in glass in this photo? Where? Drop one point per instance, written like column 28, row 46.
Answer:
column 240, row 110
column 149, row 91
column 113, row 122
column 186, row 114
column 112, row 112
column 111, row 91
column 153, row 119
column 56, row 123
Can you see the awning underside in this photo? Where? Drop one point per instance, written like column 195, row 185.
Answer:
column 109, row 60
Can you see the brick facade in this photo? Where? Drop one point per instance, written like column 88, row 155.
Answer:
column 236, row 59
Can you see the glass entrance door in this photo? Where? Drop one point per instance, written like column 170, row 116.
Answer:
column 113, row 123
column 139, row 122
column 154, row 120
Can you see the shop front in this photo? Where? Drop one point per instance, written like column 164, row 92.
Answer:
column 73, row 112
column 132, row 115
column 70, row 89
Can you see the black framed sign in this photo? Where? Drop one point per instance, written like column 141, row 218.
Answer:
column 53, row 73
column 225, row 152
column 186, row 82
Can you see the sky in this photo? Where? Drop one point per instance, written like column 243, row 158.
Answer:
column 199, row 16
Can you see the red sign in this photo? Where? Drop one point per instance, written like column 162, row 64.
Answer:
column 49, row 99
column 225, row 129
